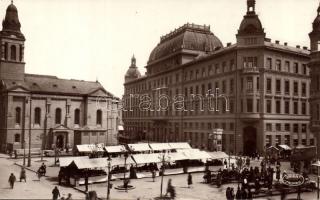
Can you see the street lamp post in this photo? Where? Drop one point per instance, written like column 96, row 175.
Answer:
column 126, row 155
column 164, row 159
column 29, row 156
column 109, row 177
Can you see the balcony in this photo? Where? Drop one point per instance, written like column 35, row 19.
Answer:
column 250, row 70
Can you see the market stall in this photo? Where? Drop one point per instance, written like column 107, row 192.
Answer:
column 159, row 147
column 140, row 148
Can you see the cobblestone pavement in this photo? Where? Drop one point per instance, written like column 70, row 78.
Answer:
column 33, row 188
column 144, row 188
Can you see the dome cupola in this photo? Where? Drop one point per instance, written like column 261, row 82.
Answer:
column 132, row 72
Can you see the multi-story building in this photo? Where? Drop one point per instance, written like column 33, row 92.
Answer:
column 39, row 110
column 266, row 84
column 315, row 78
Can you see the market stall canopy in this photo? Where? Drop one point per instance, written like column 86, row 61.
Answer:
column 194, row 154
column 147, row 158
column 160, row 146
column 66, row 161
column 316, row 163
column 120, row 128
column 284, row 147
column 177, row 156
column 120, row 161
column 139, row 147
column 218, row 155
column 82, row 163
column 180, row 145
column 115, row 149
column 90, row 147
column 271, row 148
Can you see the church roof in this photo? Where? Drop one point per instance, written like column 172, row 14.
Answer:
column 54, row 85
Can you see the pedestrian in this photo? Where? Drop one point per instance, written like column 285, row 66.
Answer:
column 43, row 169
column 238, row 194
column 23, row 175
column 69, row 197
column 231, row 194
column 189, row 180
column 228, row 193
column 55, row 193
column 12, row 180
column 170, row 189
column 249, row 195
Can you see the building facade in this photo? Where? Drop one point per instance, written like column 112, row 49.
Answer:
column 266, row 85
column 45, row 111
column 314, row 64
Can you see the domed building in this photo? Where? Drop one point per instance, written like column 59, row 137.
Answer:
column 256, row 91
column 47, row 112
column 133, row 71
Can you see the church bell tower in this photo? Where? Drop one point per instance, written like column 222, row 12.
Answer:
column 12, row 47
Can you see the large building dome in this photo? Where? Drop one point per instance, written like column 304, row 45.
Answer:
column 188, row 37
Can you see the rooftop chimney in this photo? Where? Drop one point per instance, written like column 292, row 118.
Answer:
column 228, row 44
column 305, row 48
column 286, row 44
column 298, row 46
column 277, row 41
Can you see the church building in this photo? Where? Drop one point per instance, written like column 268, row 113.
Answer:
column 45, row 111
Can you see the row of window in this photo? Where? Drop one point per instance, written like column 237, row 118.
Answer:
column 286, row 87
column 287, row 141
column 287, row 127
column 278, row 66
column 58, row 118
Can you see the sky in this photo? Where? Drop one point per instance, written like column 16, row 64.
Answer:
column 95, row 39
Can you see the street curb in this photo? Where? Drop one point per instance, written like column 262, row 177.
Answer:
column 28, row 169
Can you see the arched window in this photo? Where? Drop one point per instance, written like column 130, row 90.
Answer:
column 77, row 116
column 13, row 53
column 18, row 115
column 99, row 117
column 17, row 137
column 58, row 116
column 37, row 115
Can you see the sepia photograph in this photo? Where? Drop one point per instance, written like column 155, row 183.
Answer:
column 160, row 100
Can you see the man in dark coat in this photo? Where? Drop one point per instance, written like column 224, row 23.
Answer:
column 12, row 180
column 55, row 193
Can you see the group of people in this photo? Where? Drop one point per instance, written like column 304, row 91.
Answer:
column 241, row 193
column 13, row 179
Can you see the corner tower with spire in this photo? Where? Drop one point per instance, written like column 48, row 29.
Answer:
column 250, row 30
column 12, row 66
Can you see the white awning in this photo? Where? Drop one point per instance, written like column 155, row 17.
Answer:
column 195, row 154
column 120, row 161
column 66, row 161
column 177, row 156
column 180, row 145
column 120, row 128
column 115, row 149
column 147, row 158
column 139, row 147
column 90, row 147
column 160, row 146
column 83, row 148
column 284, row 147
column 218, row 155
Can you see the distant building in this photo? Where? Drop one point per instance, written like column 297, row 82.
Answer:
column 266, row 84
column 62, row 112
